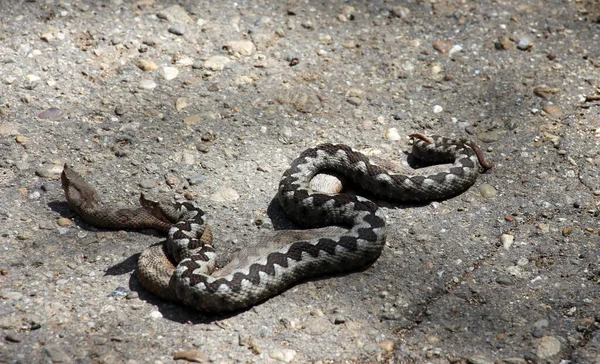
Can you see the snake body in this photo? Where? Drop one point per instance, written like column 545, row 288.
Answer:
column 347, row 231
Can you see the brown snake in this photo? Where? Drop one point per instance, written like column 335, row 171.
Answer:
column 347, row 231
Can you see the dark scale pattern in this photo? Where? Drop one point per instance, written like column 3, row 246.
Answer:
column 301, row 259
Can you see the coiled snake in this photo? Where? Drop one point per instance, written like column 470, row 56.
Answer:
column 348, row 230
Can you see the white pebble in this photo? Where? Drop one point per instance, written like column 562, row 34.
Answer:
column 507, row 240
column 392, row 134
column 169, row 73
column 455, row 49
column 284, row 355
column 147, row 84
column 437, row 109
column 155, row 315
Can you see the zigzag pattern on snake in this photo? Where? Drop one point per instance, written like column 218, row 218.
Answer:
column 348, row 231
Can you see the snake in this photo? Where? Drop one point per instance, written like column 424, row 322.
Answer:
column 341, row 230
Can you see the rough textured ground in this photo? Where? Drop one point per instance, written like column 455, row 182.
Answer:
column 508, row 271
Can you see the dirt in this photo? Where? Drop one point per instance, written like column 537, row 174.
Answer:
column 211, row 101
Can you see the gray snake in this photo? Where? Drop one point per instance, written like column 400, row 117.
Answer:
column 346, row 231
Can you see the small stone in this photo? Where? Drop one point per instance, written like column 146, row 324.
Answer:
column 147, row 85
column 354, row 101
column 185, row 61
column 387, row 345
column 49, row 171
column 155, row 315
column 9, row 129
column 504, row 43
column 192, row 120
column 196, row 179
column 56, row 354
column 52, row 113
column 225, row 195
column 21, row 139
column 399, row 116
column 524, row 43
column 169, row 73
column 392, row 134
column 172, row 180
column 567, row 230
column 400, row 11
column 547, row 347
column 553, row 111
column 13, row 337
column 437, row 109
column 216, row 63
column 15, row 296
column 146, row 65
column 47, row 37
column 195, row 356
column 240, row 48
column 455, row 49
column 4, row 272
column 487, row 191
column 442, row 46
column 479, row 359
column 507, row 240
column 284, row 355
column 177, row 29
column 147, row 183
column 545, row 91
column 120, row 110
column 63, row 221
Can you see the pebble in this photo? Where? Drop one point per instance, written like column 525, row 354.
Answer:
column 545, row 91
column 56, row 354
column 21, row 139
column 172, row 180
column 63, row 221
column 13, row 337
column 284, row 355
column 479, row 359
column 356, row 101
column 216, row 63
column 240, row 48
column 9, row 129
column 11, row 295
column 553, row 111
column 177, row 29
column 180, row 104
column 524, row 43
column 504, row 43
column 147, row 183
column 49, row 170
column 52, row 113
column 225, row 195
column 195, row 356
column 120, row 110
column 196, row 179
column 146, row 65
column 442, row 46
column 173, row 13
column 169, row 73
column 547, row 347
column 185, row 61
column 147, row 85
column 387, row 345
column 455, row 49
column 487, row 191
column 437, row 109
column 507, row 240
column 392, row 134
column 155, row 315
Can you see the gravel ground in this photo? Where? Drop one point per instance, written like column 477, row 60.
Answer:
column 213, row 100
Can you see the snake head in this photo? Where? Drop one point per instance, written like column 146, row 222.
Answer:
column 78, row 192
